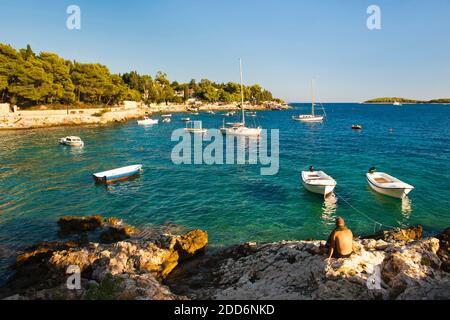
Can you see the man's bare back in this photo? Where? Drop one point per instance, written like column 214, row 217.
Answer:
column 341, row 240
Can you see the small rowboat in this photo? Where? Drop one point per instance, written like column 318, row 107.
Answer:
column 185, row 119
column 147, row 121
column 166, row 120
column 72, row 141
column 388, row 185
column 117, row 174
column 318, row 182
column 356, row 126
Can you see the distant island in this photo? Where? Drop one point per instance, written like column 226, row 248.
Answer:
column 404, row 100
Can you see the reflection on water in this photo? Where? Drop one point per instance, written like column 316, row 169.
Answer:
column 406, row 207
column 329, row 208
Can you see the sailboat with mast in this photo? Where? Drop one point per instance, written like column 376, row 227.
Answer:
column 240, row 128
column 310, row 117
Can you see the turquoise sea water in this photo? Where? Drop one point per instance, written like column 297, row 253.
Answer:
column 41, row 180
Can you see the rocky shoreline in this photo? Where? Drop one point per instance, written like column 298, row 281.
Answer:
column 35, row 119
column 117, row 261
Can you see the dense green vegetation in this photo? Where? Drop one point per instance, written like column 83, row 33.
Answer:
column 28, row 79
column 404, row 100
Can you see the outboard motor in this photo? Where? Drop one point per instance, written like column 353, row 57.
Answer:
column 372, row 169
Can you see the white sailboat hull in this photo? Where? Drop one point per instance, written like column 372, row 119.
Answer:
column 241, row 131
column 308, row 118
column 318, row 182
column 388, row 185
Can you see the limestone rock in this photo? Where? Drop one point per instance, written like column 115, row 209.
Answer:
column 69, row 224
column 444, row 249
column 191, row 243
column 397, row 234
column 115, row 234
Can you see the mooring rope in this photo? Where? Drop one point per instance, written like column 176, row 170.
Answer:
column 365, row 215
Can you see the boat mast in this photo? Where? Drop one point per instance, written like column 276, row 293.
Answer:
column 242, row 93
column 312, row 94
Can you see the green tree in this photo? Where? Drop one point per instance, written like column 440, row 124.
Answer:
column 62, row 89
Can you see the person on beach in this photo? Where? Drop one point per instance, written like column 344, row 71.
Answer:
column 340, row 242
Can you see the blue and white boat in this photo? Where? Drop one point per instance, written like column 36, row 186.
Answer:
column 117, row 174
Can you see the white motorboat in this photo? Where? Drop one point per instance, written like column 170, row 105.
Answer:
column 388, row 185
column 397, row 104
column 310, row 117
column 117, row 174
column 239, row 128
column 166, row 120
column 166, row 115
column 185, row 119
column 318, row 182
column 147, row 121
column 72, row 141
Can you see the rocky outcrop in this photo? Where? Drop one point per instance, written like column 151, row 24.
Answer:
column 444, row 249
column 299, row 270
column 70, row 224
column 397, row 234
column 134, row 267
column 166, row 266
column 115, row 234
column 191, row 243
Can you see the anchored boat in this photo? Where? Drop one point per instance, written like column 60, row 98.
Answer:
column 117, row 174
column 310, row 117
column 147, row 121
column 318, row 182
column 239, row 128
column 388, row 185
column 72, row 141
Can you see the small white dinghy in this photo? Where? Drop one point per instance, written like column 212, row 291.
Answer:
column 72, row 141
column 318, row 182
column 388, row 185
column 117, row 174
column 147, row 121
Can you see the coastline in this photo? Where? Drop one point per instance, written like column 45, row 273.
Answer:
column 126, row 263
column 37, row 119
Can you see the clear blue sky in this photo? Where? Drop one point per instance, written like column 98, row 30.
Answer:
column 283, row 44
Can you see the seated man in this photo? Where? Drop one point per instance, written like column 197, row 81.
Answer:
column 340, row 242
